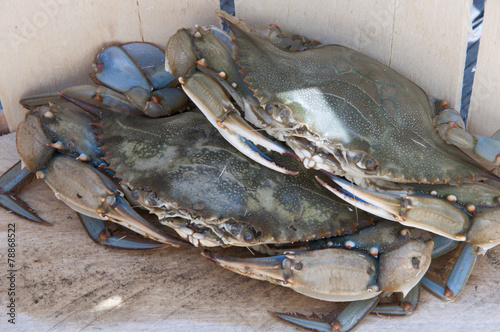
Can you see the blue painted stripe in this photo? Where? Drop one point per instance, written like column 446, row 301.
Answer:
column 228, row 7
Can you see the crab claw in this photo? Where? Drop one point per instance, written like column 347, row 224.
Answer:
column 433, row 208
column 327, row 274
column 208, row 89
column 123, row 67
column 131, row 78
column 11, row 183
column 101, row 234
column 138, row 71
column 213, row 102
column 87, row 191
column 354, row 312
column 337, row 274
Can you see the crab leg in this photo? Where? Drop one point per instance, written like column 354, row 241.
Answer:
column 11, row 183
column 426, row 208
column 451, row 224
column 207, row 92
column 458, row 277
column 337, row 274
column 352, row 315
column 451, row 128
column 86, row 190
column 311, row 273
column 405, row 305
column 213, row 102
column 345, row 321
column 135, row 82
column 101, row 234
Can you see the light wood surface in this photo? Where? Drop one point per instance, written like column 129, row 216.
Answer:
column 484, row 111
column 422, row 40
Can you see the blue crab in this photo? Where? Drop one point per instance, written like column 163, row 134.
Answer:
column 100, row 151
column 348, row 115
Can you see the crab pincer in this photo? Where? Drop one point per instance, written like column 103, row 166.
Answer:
column 212, row 99
column 331, row 272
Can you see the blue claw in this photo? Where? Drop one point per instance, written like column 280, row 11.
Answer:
column 138, row 71
column 101, row 234
column 123, row 67
column 11, row 183
column 118, row 71
column 151, row 60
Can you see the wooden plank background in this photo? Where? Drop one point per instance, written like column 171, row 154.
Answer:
column 50, row 45
column 58, row 39
column 484, row 108
column 66, row 282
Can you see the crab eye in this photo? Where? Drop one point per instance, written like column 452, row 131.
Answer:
column 269, row 108
column 273, row 110
column 362, row 160
column 248, row 236
column 242, row 231
column 370, row 163
column 354, row 157
column 367, row 163
column 135, row 194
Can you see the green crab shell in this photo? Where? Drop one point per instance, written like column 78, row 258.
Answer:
column 181, row 167
column 354, row 105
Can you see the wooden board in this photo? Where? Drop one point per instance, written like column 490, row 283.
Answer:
column 66, row 282
column 50, row 45
column 484, row 111
column 422, row 40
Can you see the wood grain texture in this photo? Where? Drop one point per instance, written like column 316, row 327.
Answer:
column 66, row 282
column 430, row 43
column 364, row 26
column 484, row 111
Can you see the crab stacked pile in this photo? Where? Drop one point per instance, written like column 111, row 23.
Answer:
column 370, row 146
